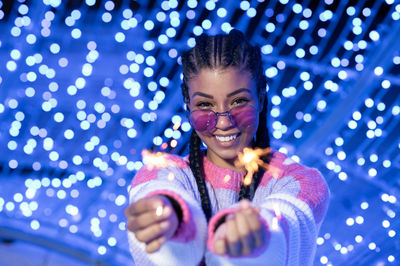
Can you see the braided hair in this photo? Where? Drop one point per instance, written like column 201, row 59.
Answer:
column 220, row 52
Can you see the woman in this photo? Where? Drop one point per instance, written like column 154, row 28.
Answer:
column 194, row 210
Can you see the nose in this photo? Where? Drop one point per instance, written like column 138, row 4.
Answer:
column 223, row 121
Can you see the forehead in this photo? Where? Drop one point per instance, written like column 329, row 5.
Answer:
column 221, row 81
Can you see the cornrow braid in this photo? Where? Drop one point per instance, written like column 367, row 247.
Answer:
column 223, row 51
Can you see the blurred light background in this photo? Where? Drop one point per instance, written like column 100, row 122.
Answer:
column 85, row 86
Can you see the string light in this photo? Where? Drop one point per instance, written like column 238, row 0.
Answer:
column 77, row 114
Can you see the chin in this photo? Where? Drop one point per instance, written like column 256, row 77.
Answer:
column 229, row 155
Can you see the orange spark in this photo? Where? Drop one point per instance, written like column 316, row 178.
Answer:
column 176, row 125
column 174, row 143
column 164, row 145
column 155, row 160
column 250, row 159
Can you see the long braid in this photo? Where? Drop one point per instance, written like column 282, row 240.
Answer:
column 223, row 51
column 262, row 141
column 196, row 165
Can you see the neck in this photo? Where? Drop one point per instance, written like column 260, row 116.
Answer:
column 229, row 164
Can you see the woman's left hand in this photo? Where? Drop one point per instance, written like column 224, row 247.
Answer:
column 241, row 233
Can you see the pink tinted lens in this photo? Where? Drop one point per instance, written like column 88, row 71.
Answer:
column 243, row 116
column 202, row 120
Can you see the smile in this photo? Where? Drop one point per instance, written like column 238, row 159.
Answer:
column 226, row 138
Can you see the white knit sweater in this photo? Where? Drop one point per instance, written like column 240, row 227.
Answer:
column 293, row 201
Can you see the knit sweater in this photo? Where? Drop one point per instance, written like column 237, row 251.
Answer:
column 292, row 198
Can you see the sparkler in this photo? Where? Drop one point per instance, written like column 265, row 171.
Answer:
column 251, row 160
column 155, row 160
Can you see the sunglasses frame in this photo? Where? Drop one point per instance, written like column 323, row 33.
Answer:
column 226, row 113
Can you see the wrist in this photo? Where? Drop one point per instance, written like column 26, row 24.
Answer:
column 176, row 207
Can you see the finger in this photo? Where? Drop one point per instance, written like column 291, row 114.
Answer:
column 130, row 224
column 152, row 232
column 220, row 239
column 245, row 204
column 148, row 218
column 232, row 236
column 245, row 234
column 220, row 246
column 155, row 244
column 144, row 205
column 256, row 227
column 127, row 211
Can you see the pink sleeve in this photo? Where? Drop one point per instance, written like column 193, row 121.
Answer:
column 170, row 175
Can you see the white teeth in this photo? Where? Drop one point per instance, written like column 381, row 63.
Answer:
column 227, row 138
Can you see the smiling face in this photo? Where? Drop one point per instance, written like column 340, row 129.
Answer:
column 220, row 90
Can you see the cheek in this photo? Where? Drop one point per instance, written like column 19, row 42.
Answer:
column 251, row 131
column 204, row 136
column 253, row 127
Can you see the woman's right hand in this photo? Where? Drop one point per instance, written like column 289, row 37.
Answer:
column 153, row 221
column 242, row 233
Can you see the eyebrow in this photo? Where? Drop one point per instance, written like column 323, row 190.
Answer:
column 238, row 91
column 202, row 94
column 228, row 95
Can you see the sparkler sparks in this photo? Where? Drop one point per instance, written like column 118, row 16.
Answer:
column 251, row 160
column 155, row 160
column 176, row 126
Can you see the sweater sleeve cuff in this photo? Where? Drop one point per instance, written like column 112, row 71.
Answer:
column 212, row 226
column 187, row 229
column 215, row 221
